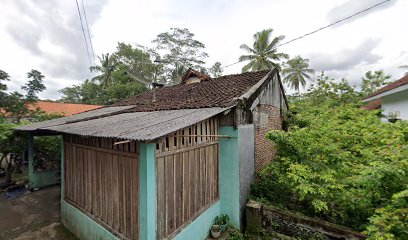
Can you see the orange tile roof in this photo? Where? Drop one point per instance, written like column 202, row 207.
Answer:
column 375, row 104
column 66, row 109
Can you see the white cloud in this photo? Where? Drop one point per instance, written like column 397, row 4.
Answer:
column 46, row 35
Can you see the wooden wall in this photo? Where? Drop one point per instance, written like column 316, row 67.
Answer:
column 187, row 171
column 102, row 180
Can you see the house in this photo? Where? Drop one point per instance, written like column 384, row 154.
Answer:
column 392, row 99
column 165, row 163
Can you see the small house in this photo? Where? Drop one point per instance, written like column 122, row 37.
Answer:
column 392, row 99
column 165, row 163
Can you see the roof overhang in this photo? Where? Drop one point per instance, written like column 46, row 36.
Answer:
column 387, row 93
column 141, row 126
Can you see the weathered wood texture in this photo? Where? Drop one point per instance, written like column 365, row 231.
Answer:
column 102, row 180
column 187, row 176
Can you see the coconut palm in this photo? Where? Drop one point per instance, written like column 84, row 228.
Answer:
column 404, row 67
column 263, row 54
column 107, row 64
column 296, row 71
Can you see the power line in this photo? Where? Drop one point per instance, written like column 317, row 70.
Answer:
column 322, row 28
column 83, row 31
column 87, row 28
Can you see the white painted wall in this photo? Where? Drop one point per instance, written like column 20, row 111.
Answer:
column 397, row 102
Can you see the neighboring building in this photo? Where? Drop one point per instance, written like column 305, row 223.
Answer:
column 165, row 163
column 64, row 109
column 392, row 99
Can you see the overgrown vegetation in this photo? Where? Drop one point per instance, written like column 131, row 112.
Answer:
column 340, row 163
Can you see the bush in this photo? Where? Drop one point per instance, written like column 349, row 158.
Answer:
column 340, row 163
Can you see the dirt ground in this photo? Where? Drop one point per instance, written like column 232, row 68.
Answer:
column 32, row 216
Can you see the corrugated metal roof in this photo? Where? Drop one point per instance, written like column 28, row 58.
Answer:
column 77, row 117
column 142, row 126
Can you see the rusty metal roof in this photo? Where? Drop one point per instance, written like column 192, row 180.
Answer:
column 142, row 126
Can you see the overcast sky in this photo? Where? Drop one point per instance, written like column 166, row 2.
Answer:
column 46, row 34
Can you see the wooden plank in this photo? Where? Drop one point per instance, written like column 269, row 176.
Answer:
column 115, row 192
column 179, row 189
column 186, row 149
column 161, row 216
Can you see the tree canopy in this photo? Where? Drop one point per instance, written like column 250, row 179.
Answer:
column 264, row 53
column 296, row 71
column 340, row 163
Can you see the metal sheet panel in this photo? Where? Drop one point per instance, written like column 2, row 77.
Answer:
column 76, row 117
column 143, row 126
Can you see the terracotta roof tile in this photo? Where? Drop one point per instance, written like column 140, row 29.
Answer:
column 375, row 104
column 213, row 92
column 398, row 83
column 66, row 109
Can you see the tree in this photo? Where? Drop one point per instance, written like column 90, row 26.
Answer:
column 372, row 81
column 3, row 87
column 216, row 70
column 107, row 64
column 181, row 51
column 34, row 85
column 404, row 67
column 264, row 53
column 296, row 71
column 134, row 64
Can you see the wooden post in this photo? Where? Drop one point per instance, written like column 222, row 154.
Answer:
column 30, row 150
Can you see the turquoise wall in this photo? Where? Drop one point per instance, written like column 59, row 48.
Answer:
column 148, row 195
column 229, row 175
column 38, row 179
column 82, row 226
column 200, row 227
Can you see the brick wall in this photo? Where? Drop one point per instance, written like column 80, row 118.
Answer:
column 266, row 118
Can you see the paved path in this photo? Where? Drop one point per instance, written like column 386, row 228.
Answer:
column 31, row 214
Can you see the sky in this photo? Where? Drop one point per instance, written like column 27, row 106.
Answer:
column 46, row 35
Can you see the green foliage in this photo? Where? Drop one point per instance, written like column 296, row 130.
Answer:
column 391, row 221
column 263, row 54
column 235, row 235
column 372, row 81
column 296, row 72
column 180, row 52
column 338, row 162
column 216, row 70
column 34, row 85
column 221, row 219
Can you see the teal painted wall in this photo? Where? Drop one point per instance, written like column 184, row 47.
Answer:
column 148, row 194
column 38, row 179
column 82, row 226
column 229, row 175
column 200, row 227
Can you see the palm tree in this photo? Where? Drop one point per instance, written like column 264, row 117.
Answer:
column 296, row 71
column 404, row 67
column 107, row 65
column 263, row 54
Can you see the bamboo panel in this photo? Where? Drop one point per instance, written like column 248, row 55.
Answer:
column 103, row 181
column 187, row 171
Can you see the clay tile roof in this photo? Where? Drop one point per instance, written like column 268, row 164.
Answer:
column 214, row 92
column 375, row 104
column 398, row 83
column 66, row 109
column 193, row 73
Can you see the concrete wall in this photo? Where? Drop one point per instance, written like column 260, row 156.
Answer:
column 199, row 228
column 397, row 102
column 229, row 175
column 246, row 146
column 295, row 225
